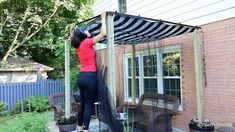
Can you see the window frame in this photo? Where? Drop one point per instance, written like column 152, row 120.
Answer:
column 119, row 6
column 126, row 91
column 140, row 54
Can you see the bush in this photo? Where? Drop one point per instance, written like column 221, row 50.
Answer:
column 37, row 103
column 2, row 106
column 26, row 122
column 17, row 107
column 3, row 112
column 32, row 103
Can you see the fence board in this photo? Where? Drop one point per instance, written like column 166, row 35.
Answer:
column 14, row 92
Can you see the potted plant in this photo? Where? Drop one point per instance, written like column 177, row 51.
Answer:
column 204, row 126
column 67, row 124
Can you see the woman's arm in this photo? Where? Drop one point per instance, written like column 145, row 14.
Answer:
column 102, row 33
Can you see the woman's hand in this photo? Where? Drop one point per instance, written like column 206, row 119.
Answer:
column 103, row 19
column 102, row 33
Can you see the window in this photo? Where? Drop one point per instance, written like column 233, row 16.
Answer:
column 157, row 71
column 150, row 73
column 136, row 77
column 122, row 6
column 171, row 73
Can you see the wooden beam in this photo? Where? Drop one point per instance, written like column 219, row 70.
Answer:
column 133, row 91
column 67, row 78
column 198, row 76
column 111, row 59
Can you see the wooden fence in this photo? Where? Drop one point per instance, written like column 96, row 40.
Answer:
column 13, row 92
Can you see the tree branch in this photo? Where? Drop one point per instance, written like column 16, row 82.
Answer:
column 30, row 30
column 30, row 36
column 14, row 42
column 44, row 24
column 3, row 24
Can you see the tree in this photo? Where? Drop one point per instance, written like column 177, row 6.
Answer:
column 27, row 24
column 36, row 29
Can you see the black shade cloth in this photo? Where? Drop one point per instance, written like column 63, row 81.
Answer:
column 129, row 29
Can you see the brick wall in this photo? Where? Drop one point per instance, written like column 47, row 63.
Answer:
column 219, row 93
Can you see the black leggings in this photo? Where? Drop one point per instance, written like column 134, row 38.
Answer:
column 87, row 83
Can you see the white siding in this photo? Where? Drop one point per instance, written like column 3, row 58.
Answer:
column 104, row 5
column 193, row 12
column 14, row 77
column 4, row 77
column 24, row 77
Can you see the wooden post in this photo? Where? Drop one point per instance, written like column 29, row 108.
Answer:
column 133, row 91
column 159, row 71
column 198, row 76
column 22, row 106
column 111, row 59
column 67, row 78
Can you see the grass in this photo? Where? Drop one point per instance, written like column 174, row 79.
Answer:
column 24, row 122
column 5, row 120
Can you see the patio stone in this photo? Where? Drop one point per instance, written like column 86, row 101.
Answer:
column 51, row 123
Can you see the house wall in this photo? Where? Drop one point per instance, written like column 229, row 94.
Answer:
column 105, row 5
column 192, row 12
column 219, row 93
column 217, row 42
column 187, row 71
column 10, row 77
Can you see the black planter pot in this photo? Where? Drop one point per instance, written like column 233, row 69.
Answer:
column 67, row 124
column 67, row 127
column 194, row 128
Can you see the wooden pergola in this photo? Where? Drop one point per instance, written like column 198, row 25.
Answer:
column 129, row 29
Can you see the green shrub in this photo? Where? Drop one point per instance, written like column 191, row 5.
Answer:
column 17, row 107
column 37, row 103
column 26, row 122
column 30, row 104
column 2, row 106
column 3, row 112
column 4, row 120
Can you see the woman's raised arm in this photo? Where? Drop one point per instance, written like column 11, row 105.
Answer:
column 102, row 33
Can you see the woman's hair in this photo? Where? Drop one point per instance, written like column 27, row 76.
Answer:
column 78, row 36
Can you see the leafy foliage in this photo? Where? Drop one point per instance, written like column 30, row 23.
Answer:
column 4, row 120
column 2, row 106
column 3, row 112
column 21, row 19
column 65, row 121
column 37, row 103
column 18, row 107
column 26, row 122
column 32, row 103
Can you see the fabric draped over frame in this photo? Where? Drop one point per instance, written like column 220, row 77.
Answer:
column 129, row 29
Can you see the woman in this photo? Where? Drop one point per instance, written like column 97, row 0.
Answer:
column 87, row 79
